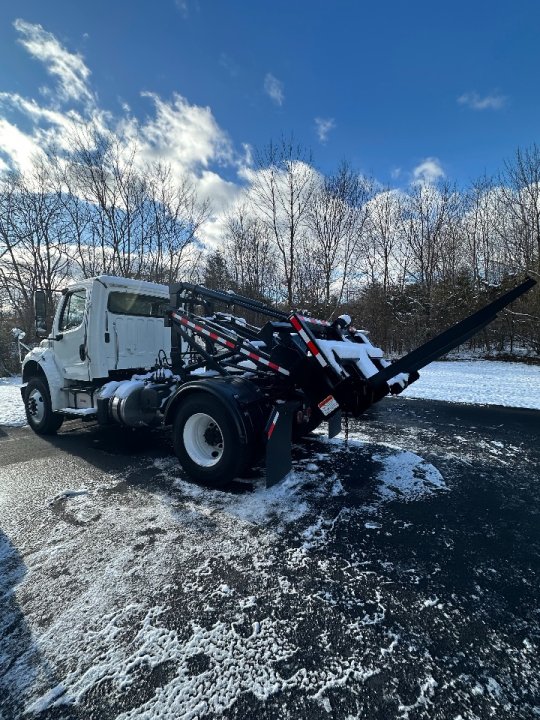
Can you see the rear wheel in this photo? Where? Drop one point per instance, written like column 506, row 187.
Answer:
column 37, row 404
column 207, row 442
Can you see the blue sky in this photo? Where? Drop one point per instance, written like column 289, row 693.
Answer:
column 388, row 86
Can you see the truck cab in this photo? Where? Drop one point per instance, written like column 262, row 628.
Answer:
column 104, row 328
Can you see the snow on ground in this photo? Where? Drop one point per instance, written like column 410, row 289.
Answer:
column 236, row 642
column 479, row 382
column 11, row 407
column 367, row 584
column 405, row 477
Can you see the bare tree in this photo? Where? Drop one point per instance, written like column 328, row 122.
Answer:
column 128, row 218
column 426, row 213
column 281, row 190
column 175, row 217
column 337, row 219
column 520, row 196
column 105, row 176
column 384, row 255
column 250, row 254
column 34, row 247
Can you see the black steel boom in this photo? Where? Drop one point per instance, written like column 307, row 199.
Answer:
column 180, row 290
column 298, row 371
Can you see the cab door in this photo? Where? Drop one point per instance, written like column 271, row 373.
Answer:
column 70, row 336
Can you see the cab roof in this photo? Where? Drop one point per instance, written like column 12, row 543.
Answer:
column 140, row 286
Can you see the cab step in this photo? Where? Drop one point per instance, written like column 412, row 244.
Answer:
column 78, row 411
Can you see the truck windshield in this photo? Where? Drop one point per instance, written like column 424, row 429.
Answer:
column 122, row 303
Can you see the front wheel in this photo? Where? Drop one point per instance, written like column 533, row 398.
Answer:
column 207, row 442
column 37, row 405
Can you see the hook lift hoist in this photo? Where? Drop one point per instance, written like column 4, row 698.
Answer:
column 246, row 390
column 233, row 391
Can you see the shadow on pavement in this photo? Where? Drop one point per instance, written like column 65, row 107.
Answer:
column 111, row 448
column 21, row 663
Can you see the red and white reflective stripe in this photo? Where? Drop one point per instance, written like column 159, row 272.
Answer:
column 233, row 346
column 253, row 356
column 204, row 331
column 314, row 321
column 273, row 424
column 309, row 342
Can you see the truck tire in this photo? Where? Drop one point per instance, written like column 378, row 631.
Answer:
column 206, row 440
column 37, row 404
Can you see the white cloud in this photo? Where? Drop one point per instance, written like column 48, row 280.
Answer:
column 185, row 135
column 224, row 195
column 50, row 129
column 278, row 176
column 323, row 127
column 478, row 102
column 18, row 148
column 36, row 112
column 247, row 159
column 395, row 173
column 428, row 171
column 69, row 69
column 274, row 89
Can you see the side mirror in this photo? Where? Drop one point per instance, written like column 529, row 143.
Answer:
column 40, row 308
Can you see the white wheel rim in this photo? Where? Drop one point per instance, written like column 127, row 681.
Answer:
column 203, row 440
column 36, row 406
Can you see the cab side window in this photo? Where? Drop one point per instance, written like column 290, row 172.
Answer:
column 73, row 312
column 125, row 303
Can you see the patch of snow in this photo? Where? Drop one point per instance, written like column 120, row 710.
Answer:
column 390, row 649
column 493, row 687
column 362, row 353
column 108, row 390
column 282, row 503
column 406, row 476
column 212, row 690
column 11, row 404
column 317, row 534
column 79, row 411
column 479, row 382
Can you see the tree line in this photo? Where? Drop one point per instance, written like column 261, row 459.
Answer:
column 404, row 262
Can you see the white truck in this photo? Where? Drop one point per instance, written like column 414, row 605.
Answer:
column 141, row 355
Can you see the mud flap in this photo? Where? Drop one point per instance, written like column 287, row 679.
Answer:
column 278, row 442
column 334, row 424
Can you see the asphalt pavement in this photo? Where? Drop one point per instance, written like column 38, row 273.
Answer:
column 393, row 575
